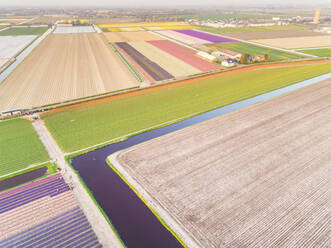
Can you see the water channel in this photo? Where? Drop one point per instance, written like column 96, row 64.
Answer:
column 133, row 220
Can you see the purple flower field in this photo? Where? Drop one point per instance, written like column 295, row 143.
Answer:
column 205, row 36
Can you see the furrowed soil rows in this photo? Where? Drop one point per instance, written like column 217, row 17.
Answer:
column 257, row 177
column 65, row 67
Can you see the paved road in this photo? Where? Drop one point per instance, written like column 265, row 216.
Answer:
column 101, row 227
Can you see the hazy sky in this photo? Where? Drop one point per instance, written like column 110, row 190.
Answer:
column 151, row 2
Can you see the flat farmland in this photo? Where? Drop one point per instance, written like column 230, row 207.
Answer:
column 205, row 36
column 298, row 42
column 241, row 47
column 185, row 54
column 140, row 24
column 130, row 36
column 65, row 67
column 20, row 146
column 11, row 45
column 323, row 52
column 257, row 177
column 91, row 123
column 143, row 64
column 24, row 31
column 183, row 37
column 171, row 64
column 253, row 33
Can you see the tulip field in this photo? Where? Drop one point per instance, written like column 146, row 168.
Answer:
column 44, row 213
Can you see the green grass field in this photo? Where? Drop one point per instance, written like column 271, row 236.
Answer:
column 251, row 29
column 323, row 52
column 24, row 31
column 92, row 123
column 274, row 55
column 20, row 146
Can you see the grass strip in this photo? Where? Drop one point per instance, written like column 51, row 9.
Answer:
column 81, row 126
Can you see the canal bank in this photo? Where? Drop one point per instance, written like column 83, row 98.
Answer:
column 135, row 223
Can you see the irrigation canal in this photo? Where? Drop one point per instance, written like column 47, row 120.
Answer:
column 133, row 220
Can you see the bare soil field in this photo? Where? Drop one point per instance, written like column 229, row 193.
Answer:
column 272, row 34
column 130, row 36
column 298, row 42
column 65, row 67
column 257, row 177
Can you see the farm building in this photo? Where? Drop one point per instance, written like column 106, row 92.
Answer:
column 206, row 56
column 222, row 52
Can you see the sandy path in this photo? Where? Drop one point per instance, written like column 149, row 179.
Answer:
column 65, row 67
column 257, row 177
column 171, row 64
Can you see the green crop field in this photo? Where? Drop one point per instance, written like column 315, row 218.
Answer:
column 24, row 31
column 323, row 52
column 84, row 125
column 251, row 29
column 20, row 146
column 241, row 47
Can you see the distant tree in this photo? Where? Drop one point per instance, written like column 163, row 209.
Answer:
column 244, row 59
column 266, row 57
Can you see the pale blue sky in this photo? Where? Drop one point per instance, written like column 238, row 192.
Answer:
column 151, row 2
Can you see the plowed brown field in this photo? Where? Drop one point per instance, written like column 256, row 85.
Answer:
column 257, row 177
column 65, row 67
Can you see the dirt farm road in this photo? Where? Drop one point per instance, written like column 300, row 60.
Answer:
column 105, row 234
